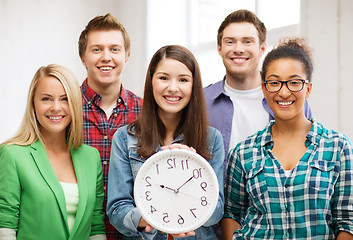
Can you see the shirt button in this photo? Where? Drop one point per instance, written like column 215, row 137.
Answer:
column 286, row 186
column 115, row 114
column 105, row 188
column 119, row 100
column 105, row 162
column 105, row 137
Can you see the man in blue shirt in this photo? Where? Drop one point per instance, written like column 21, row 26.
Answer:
column 235, row 104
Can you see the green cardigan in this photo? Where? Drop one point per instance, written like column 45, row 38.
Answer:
column 32, row 201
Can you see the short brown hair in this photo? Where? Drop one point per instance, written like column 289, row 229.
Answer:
column 242, row 15
column 103, row 23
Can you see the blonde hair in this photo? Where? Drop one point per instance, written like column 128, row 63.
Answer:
column 29, row 131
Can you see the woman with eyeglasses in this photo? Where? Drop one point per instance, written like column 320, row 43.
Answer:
column 292, row 180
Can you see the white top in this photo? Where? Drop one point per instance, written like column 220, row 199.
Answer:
column 71, row 199
column 109, row 111
column 287, row 172
column 7, row 234
column 249, row 114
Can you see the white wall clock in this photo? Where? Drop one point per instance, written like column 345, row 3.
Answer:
column 176, row 191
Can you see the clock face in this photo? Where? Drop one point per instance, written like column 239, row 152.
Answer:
column 176, row 191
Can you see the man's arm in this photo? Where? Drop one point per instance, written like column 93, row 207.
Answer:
column 228, row 226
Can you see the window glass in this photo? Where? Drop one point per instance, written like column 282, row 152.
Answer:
column 278, row 13
column 194, row 24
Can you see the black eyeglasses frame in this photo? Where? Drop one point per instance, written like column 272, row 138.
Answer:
column 286, row 82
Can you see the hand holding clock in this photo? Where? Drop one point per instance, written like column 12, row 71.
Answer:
column 178, row 146
column 148, row 228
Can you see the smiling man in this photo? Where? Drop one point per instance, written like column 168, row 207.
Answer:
column 236, row 105
column 104, row 48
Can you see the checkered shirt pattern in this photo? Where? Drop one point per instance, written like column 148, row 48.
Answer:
column 314, row 202
column 98, row 131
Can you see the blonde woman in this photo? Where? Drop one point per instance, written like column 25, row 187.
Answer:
column 50, row 182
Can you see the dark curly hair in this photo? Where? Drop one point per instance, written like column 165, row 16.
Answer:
column 293, row 48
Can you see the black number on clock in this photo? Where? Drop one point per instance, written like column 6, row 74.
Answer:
column 157, row 168
column 148, row 197
column 147, row 180
column 153, row 209
column 185, row 164
column 203, row 186
column 165, row 218
column 192, row 211
column 181, row 220
column 203, row 201
column 197, row 173
column 171, row 163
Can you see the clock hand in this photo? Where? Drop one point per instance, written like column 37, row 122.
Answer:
column 177, row 190
column 189, row 195
column 186, row 194
column 162, row 186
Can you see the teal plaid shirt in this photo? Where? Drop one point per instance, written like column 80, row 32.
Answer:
column 314, row 202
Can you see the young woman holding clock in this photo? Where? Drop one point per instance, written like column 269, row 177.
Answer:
column 292, row 180
column 173, row 116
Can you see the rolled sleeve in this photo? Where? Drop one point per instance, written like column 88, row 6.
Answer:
column 342, row 201
column 10, row 189
column 98, row 237
column 98, row 227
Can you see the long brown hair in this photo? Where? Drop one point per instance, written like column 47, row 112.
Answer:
column 149, row 128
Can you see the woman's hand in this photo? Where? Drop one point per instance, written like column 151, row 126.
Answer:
column 180, row 235
column 148, row 228
column 178, row 146
column 144, row 224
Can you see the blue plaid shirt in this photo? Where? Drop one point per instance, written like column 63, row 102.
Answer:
column 314, row 202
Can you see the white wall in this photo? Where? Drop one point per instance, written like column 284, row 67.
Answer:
column 39, row 32
column 328, row 26
column 167, row 24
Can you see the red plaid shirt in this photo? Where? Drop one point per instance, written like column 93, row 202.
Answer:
column 98, row 131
